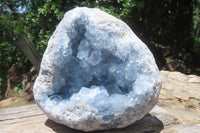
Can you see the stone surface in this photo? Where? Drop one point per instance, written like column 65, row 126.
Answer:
column 96, row 74
column 180, row 95
column 185, row 128
column 164, row 116
column 30, row 119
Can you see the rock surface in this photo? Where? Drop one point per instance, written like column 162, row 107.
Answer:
column 180, row 95
column 30, row 119
column 96, row 74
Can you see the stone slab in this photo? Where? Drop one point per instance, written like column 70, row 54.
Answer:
column 30, row 119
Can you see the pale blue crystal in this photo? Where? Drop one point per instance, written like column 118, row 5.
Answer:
column 96, row 73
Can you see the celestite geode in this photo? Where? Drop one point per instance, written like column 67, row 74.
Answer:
column 96, row 73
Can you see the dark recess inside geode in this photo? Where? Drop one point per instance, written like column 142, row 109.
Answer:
column 76, row 76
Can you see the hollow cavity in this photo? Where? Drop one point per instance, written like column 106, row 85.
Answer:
column 87, row 65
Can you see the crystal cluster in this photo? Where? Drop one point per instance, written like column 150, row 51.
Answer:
column 96, row 73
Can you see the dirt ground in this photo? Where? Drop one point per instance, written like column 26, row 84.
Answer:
column 14, row 102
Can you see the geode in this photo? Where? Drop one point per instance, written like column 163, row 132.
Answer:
column 96, row 73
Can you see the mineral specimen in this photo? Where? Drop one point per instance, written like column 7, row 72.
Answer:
column 96, row 73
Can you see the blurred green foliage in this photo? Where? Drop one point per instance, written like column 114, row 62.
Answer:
column 12, row 25
column 17, row 90
column 163, row 25
column 196, row 30
column 171, row 29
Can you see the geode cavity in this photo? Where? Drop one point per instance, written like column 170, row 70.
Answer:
column 96, row 73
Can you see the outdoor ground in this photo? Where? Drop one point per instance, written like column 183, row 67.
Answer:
column 14, row 102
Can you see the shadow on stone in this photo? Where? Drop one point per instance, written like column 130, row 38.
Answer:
column 148, row 124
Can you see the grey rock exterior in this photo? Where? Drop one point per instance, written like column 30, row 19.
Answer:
column 96, row 74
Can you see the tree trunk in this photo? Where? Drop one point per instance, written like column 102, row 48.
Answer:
column 29, row 50
column 9, row 91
